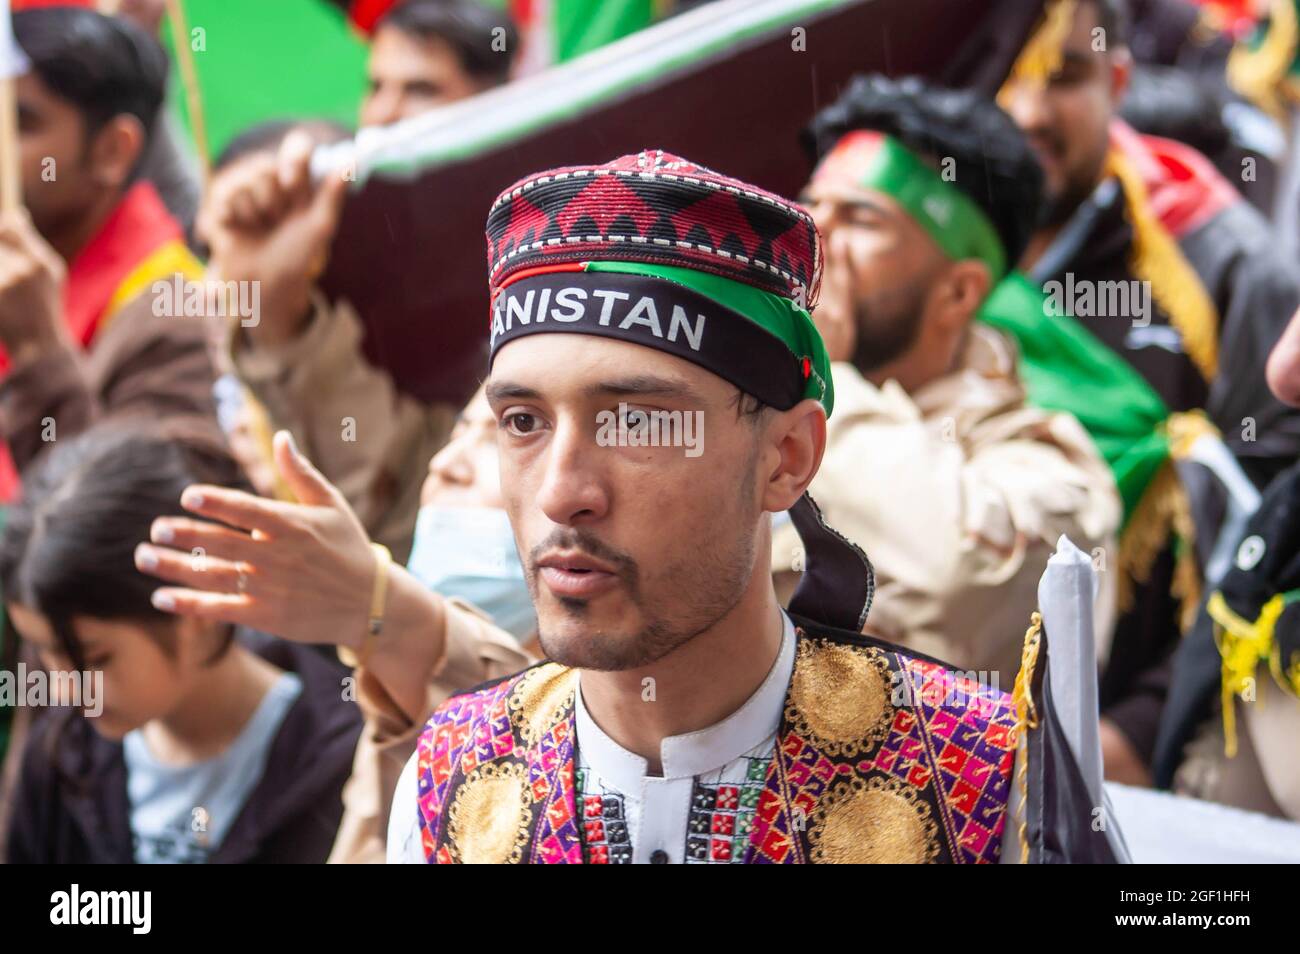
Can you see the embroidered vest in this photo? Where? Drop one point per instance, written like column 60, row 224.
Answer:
column 880, row 757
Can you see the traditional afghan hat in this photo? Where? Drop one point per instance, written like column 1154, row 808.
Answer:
column 656, row 250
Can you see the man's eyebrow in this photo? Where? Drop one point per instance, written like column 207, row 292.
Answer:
column 852, row 201
column 870, row 204
column 642, row 384
column 501, row 390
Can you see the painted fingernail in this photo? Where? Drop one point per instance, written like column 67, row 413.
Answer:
column 192, row 499
column 163, row 600
column 145, row 558
column 161, row 533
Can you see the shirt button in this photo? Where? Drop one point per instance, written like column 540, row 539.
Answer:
column 659, row 857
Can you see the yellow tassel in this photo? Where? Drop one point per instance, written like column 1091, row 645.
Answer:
column 1243, row 645
column 1156, row 259
column 1261, row 74
column 1041, row 56
column 1165, row 511
column 1026, row 716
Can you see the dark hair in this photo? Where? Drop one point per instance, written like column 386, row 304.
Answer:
column 104, row 66
column 68, row 547
column 468, row 27
column 995, row 167
column 266, row 137
column 1113, row 18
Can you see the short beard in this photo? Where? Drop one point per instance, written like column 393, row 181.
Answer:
column 887, row 325
column 702, row 592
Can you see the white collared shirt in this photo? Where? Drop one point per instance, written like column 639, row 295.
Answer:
column 698, row 811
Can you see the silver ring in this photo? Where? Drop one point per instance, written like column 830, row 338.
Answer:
column 242, row 582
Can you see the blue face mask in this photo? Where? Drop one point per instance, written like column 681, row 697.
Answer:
column 470, row 552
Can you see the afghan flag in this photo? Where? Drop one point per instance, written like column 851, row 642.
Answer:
column 728, row 84
column 1066, row 368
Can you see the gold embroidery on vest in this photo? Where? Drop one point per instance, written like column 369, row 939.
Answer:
column 880, row 821
column 839, row 696
column 488, row 823
column 541, row 699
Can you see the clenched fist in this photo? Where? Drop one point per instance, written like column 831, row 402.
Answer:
column 31, row 290
column 265, row 221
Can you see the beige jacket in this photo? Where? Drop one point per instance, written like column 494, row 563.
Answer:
column 368, row 438
column 958, row 494
column 477, row 651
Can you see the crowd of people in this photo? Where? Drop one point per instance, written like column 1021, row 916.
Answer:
column 991, row 321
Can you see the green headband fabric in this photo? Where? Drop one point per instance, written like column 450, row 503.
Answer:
column 956, row 223
column 776, row 314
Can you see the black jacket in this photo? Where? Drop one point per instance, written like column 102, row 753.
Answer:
column 292, row 814
column 1255, row 293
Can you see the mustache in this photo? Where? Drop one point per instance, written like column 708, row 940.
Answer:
column 575, row 538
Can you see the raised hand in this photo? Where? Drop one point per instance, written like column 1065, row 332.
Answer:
column 303, row 571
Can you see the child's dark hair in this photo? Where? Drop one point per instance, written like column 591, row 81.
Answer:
column 68, row 545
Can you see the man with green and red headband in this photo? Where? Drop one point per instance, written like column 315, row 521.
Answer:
column 683, row 715
column 936, row 462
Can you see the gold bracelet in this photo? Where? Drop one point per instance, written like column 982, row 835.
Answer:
column 375, row 624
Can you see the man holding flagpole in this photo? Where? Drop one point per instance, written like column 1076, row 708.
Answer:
column 80, row 338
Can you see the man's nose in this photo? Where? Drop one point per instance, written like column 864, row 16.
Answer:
column 381, row 108
column 573, row 489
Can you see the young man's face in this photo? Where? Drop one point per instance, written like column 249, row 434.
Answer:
column 59, row 180
column 410, row 75
column 629, row 551
column 1067, row 121
column 879, row 263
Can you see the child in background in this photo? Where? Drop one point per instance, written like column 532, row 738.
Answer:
column 206, row 743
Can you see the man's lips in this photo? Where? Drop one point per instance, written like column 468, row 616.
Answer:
column 575, row 575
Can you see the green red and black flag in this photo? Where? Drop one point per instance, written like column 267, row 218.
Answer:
column 729, row 84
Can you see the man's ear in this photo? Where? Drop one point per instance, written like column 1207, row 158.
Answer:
column 797, row 442
column 966, row 286
column 115, row 151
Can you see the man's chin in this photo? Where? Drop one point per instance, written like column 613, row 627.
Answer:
column 607, row 638
column 600, row 651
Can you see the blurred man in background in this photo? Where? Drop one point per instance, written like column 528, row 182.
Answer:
column 1158, row 258
column 83, row 333
column 935, row 463
column 429, row 53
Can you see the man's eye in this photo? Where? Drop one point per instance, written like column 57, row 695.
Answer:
column 520, row 423
column 634, row 417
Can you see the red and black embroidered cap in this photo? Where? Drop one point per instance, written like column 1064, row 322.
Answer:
column 657, row 250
